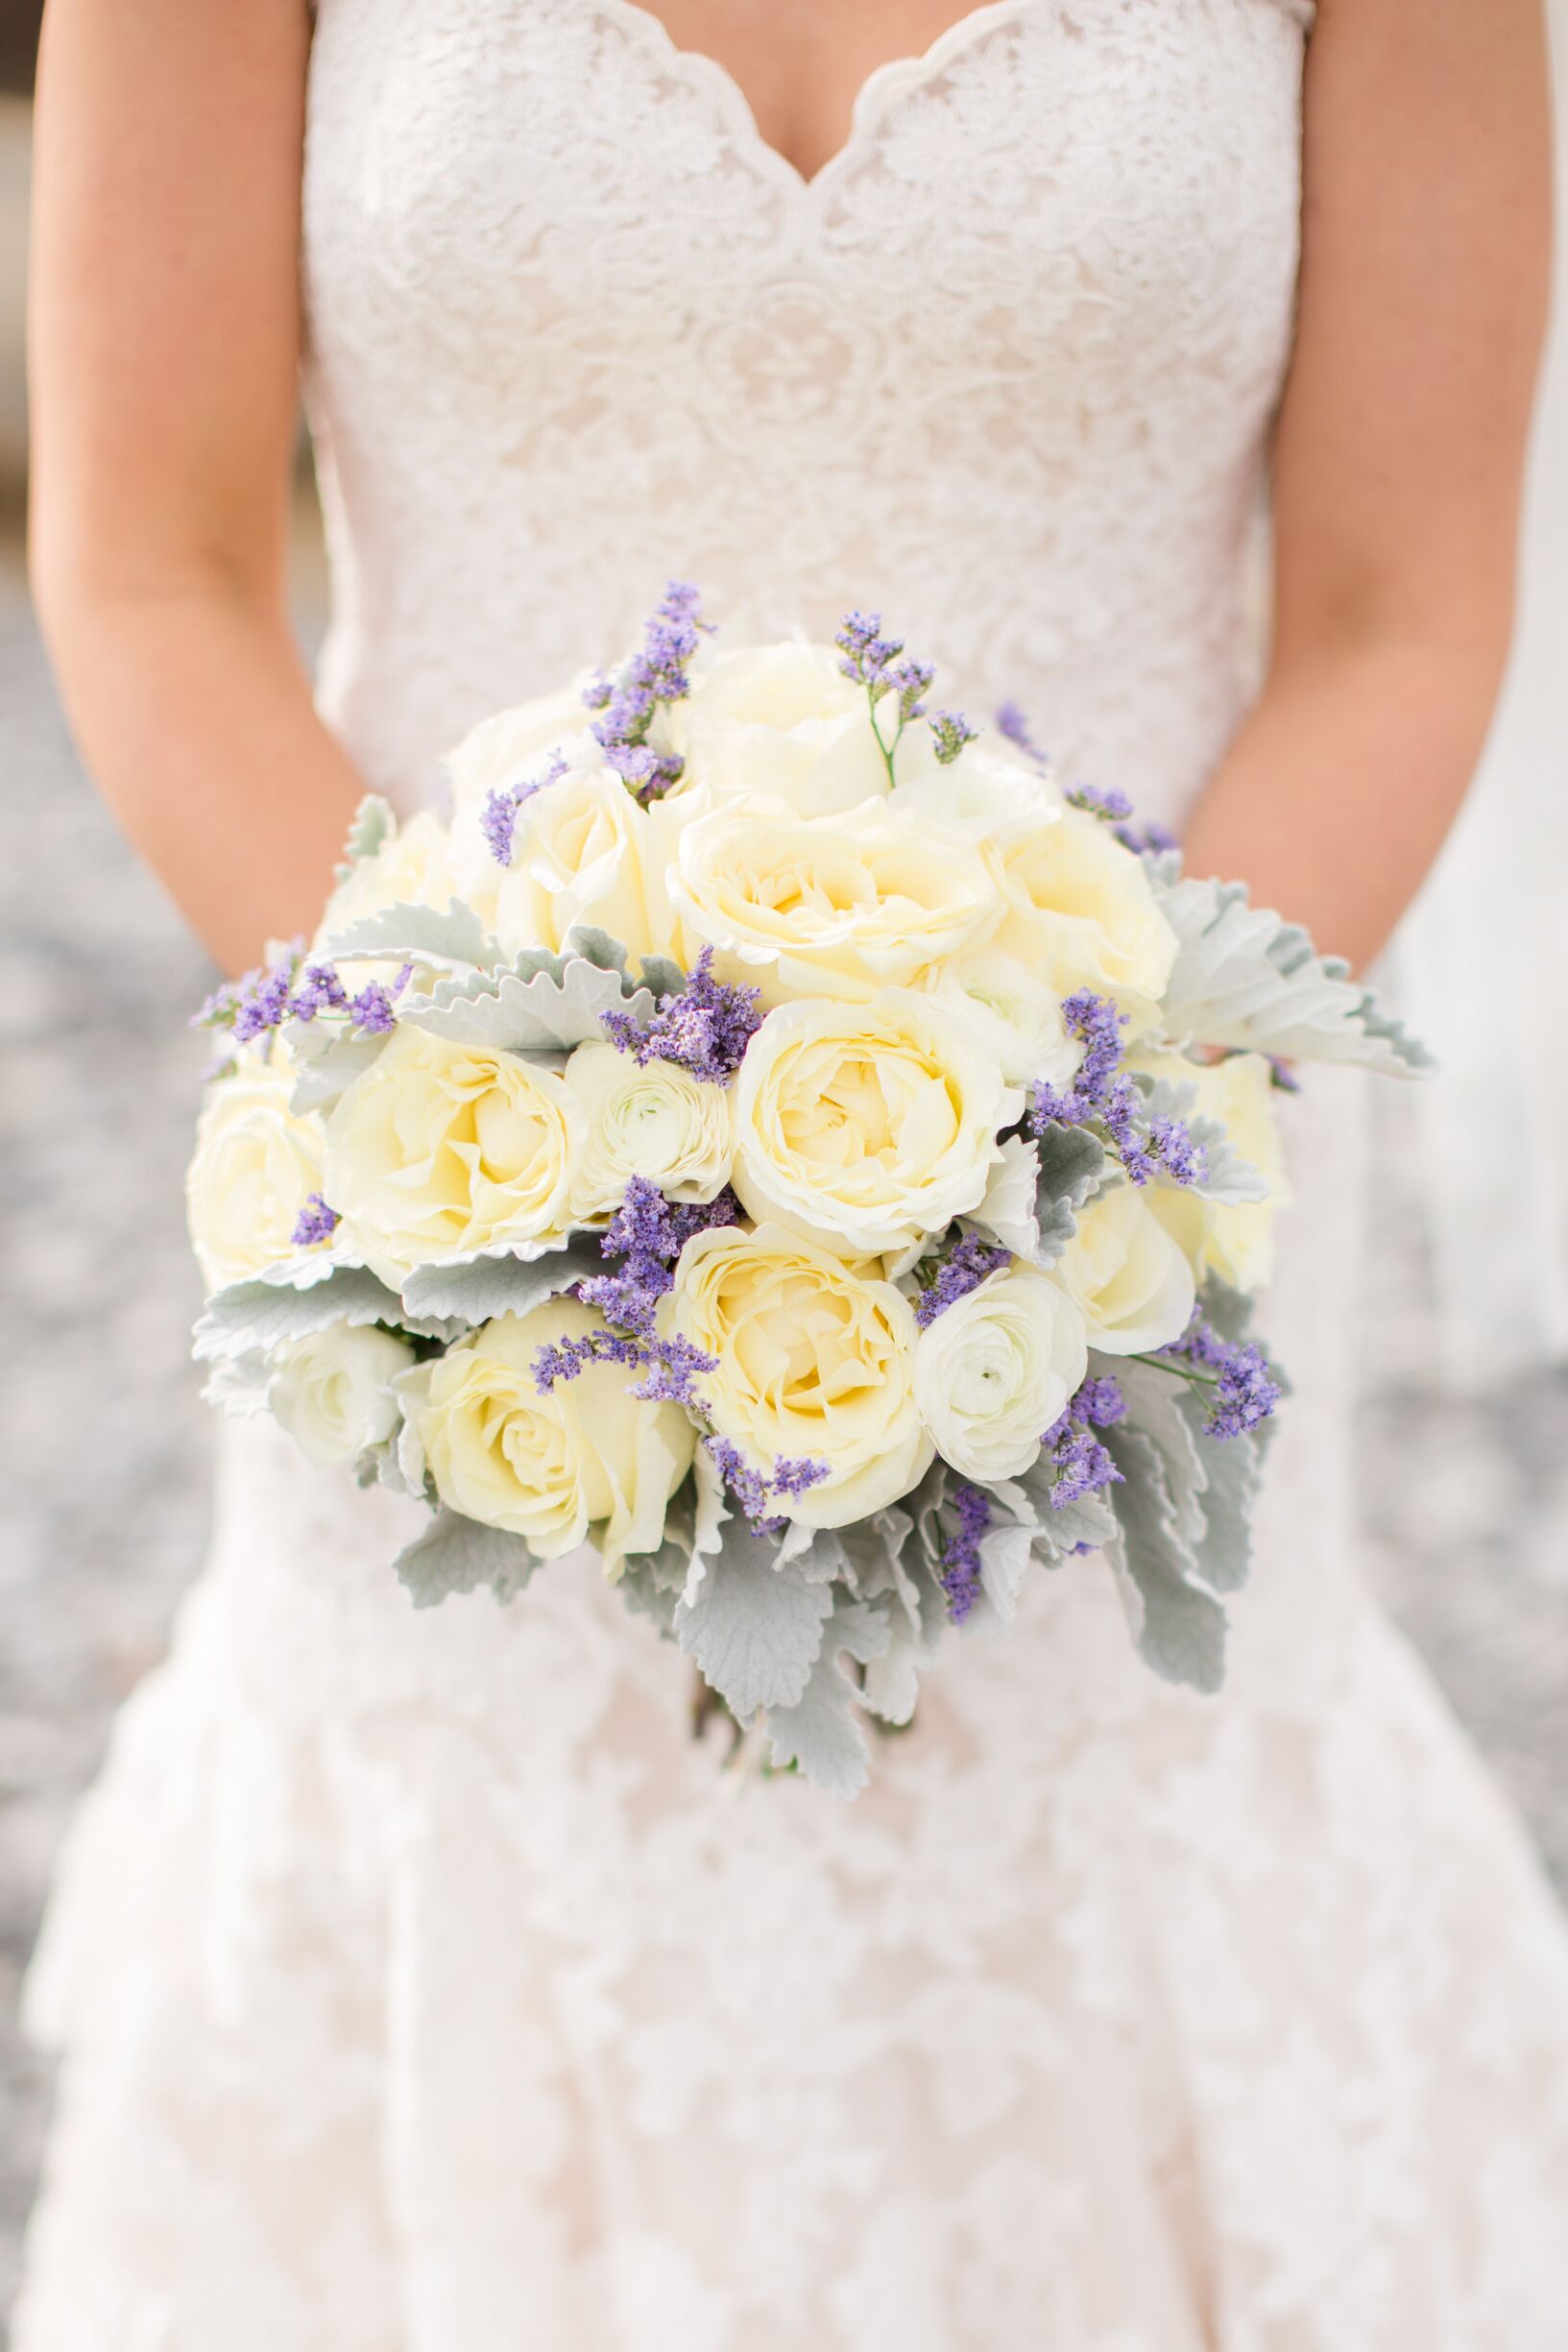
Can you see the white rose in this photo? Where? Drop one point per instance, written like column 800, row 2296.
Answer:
column 332, row 1391
column 832, row 907
column 1082, row 913
column 413, row 868
column 439, row 1149
column 578, row 855
column 812, row 1362
column 1233, row 1240
column 508, row 747
column 863, row 1126
column 782, row 719
column 656, row 1121
column 995, row 1369
column 1130, row 1278
column 987, row 794
column 254, row 1166
column 1022, row 1015
column 587, row 1457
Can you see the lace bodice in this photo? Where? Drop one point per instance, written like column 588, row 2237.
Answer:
column 1005, row 366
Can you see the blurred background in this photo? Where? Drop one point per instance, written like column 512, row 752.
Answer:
column 1464, row 1427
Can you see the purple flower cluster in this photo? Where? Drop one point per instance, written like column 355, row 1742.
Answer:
column 1083, row 1466
column 1102, row 1096
column 1114, row 806
column 755, row 1490
column 704, row 1026
column 647, row 1233
column 878, row 663
column 317, row 1223
column 951, row 731
column 658, row 672
column 266, row 998
column 1015, row 727
column 1146, row 839
column 963, row 1271
column 960, row 1574
column 1243, row 1391
column 498, row 819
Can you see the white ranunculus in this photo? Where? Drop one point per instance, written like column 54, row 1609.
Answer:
column 332, row 1391
column 439, row 1149
column 587, row 1457
column 836, row 907
column 1233, row 1240
column 813, row 1361
column 1082, row 913
column 995, row 1369
column 864, row 1126
column 656, row 1121
column 254, row 1166
column 781, row 719
column 1023, row 1015
column 1132, row 1282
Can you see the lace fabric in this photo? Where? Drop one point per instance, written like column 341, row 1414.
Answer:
column 424, row 1987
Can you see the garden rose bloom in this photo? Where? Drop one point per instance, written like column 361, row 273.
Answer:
column 813, row 1361
column 1132, row 1282
column 254, row 1165
column 1082, row 913
column 1233, row 1240
column 782, row 719
column 440, row 1149
column 332, row 1391
column 866, row 1126
column 586, row 1455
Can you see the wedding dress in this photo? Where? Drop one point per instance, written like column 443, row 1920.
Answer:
column 424, row 1986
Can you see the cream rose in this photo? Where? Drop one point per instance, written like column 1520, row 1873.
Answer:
column 996, row 1368
column 1233, row 1240
column 656, row 1121
column 508, row 748
column 782, row 719
column 551, row 1467
column 987, row 794
column 255, row 1163
column 1130, row 1278
column 332, row 1391
column 828, row 906
column 414, row 868
column 1082, row 913
column 578, row 855
column 438, row 1150
column 813, row 1361
column 1022, row 1015
column 864, row 1126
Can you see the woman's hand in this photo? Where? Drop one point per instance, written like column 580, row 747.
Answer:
column 1426, row 230
column 164, row 351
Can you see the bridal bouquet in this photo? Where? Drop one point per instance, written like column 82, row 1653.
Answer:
column 772, row 1132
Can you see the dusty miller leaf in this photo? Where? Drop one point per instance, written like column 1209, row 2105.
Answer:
column 372, row 826
column 458, row 1555
column 1234, row 1469
column 754, row 1630
column 332, row 1068
column 1156, row 1402
column 822, row 1733
column 1073, row 1166
column 1228, row 1178
column 418, row 934
column 515, row 1010
column 499, row 1282
column 1179, row 1628
column 265, row 1314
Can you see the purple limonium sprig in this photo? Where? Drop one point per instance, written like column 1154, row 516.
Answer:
column 756, row 1489
column 959, row 1572
column 1242, row 1390
column 951, row 731
column 658, row 672
column 878, row 664
column 704, row 1026
column 499, row 817
column 647, row 1233
column 966, row 1267
column 1148, row 839
column 263, row 1000
column 1103, row 1097
column 316, row 1223
column 1114, row 808
column 1012, row 724
column 1082, row 1464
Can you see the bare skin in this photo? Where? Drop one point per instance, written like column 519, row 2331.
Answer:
column 165, row 342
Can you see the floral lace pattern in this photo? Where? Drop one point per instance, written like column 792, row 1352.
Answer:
column 424, row 1987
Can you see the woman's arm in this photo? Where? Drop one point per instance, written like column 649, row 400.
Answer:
column 164, row 345
column 1401, row 443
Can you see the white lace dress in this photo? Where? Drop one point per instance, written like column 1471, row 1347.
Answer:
column 424, row 1987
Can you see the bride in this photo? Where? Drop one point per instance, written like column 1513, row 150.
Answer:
column 424, row 1986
